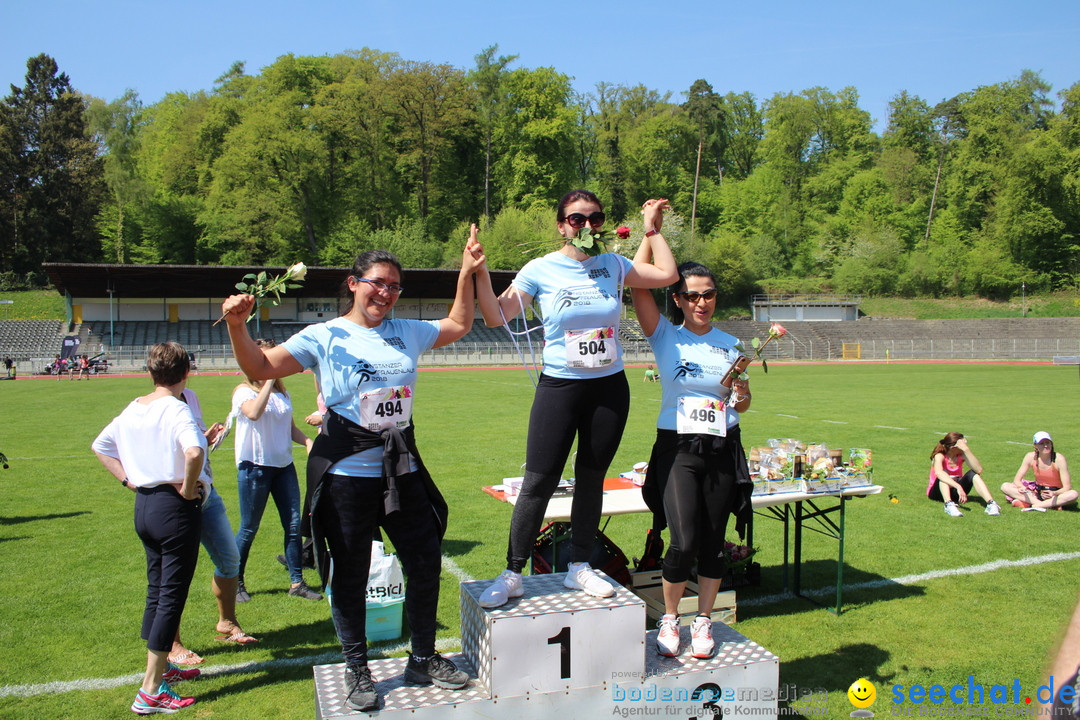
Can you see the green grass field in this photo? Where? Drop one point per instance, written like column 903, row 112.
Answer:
column 72, row 569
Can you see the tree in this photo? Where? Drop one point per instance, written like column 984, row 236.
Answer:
column 488, row 80
column 53, row 177
column 116, row 126
column 266, row 202
column 703, row 106
column 743, row 128
column 429, row 103
column 910, row 125
column 536, row 162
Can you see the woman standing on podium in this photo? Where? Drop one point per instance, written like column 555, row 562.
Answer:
column 582, row 391
column 697, row 474
column 364, row 466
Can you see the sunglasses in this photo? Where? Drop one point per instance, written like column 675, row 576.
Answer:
column 379, row 285
column 577, row 220
column 693, row 297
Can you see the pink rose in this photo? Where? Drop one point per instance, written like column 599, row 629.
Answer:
column 622, row 231
column 777, row 330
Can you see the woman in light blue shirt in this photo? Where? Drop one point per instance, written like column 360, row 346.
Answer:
column 697, row 464
column 582, row 392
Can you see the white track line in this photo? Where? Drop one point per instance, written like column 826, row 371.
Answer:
column 53, row 688
column 922, row 577
column 448, row 644
column 454, row 569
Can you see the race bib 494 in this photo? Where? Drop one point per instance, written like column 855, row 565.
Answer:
column 386, row 407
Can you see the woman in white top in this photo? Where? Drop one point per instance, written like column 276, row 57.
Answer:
column 155, row 445
column 265, row 432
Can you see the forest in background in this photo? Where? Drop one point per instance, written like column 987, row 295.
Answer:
column 317, row 158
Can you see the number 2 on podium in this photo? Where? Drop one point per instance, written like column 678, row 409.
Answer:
column 563, row 641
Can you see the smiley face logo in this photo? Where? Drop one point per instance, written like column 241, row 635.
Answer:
column 862, row 693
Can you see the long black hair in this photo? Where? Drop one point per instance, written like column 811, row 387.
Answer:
column 686, row 270
column 363, row 263
column 574, row 196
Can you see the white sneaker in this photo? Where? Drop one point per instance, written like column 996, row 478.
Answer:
column 701, row 641
column 992, row 508
column 506, row 586
column 580, row 576
column 667, row 640
column 951, row 509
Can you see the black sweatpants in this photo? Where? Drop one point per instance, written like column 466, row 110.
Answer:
column 350, row 510
column 170, row 528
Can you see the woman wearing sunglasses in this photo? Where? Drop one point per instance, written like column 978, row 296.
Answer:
column 1052, row 487
column 364, row 470
column 582, row 392
column 697, row 474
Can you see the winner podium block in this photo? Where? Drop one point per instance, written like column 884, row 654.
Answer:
column 557, row 652
column 551, row 639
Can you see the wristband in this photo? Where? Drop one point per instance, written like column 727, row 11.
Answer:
column 652, row 232
column 126, row 483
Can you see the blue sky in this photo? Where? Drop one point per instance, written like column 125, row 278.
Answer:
column 932, row 49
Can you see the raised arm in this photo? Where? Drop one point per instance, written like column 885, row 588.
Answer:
column 662, row 270
column 256, row 362
column 254, row 408
column 648, row 314
column 971, row 459
column 495, row 309
column 460, row 319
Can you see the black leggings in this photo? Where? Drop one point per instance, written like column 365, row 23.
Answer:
column 697, row 502
column 594, row 411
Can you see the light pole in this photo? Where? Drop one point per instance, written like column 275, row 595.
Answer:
column 1023, row 299
column 112, row 337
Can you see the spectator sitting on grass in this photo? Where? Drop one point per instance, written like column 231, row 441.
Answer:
column 948, row 479
column 1052, row 486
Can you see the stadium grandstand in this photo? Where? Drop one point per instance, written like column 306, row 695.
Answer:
column 116, row 311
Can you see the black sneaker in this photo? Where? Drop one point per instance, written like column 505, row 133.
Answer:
column 362, row 695
column 436, row 669
column 302, row 590
column 242, row 595
column 281, row 559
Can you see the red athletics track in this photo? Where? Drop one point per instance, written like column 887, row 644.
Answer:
column 636, row 365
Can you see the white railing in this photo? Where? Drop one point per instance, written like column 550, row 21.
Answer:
column 219, row 358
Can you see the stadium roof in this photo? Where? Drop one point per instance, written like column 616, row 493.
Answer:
column 218, row 281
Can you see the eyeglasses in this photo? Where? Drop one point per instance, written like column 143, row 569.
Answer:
column 379, row 285
column 577, row 220
column 693, row 297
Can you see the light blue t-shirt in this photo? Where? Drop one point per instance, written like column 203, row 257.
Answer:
column 691, row 365
column 578, row 297
column 349, row 360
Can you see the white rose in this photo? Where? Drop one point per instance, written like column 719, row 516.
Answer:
column 297, row 271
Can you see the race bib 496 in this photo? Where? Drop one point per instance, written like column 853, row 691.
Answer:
column 701, row 416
